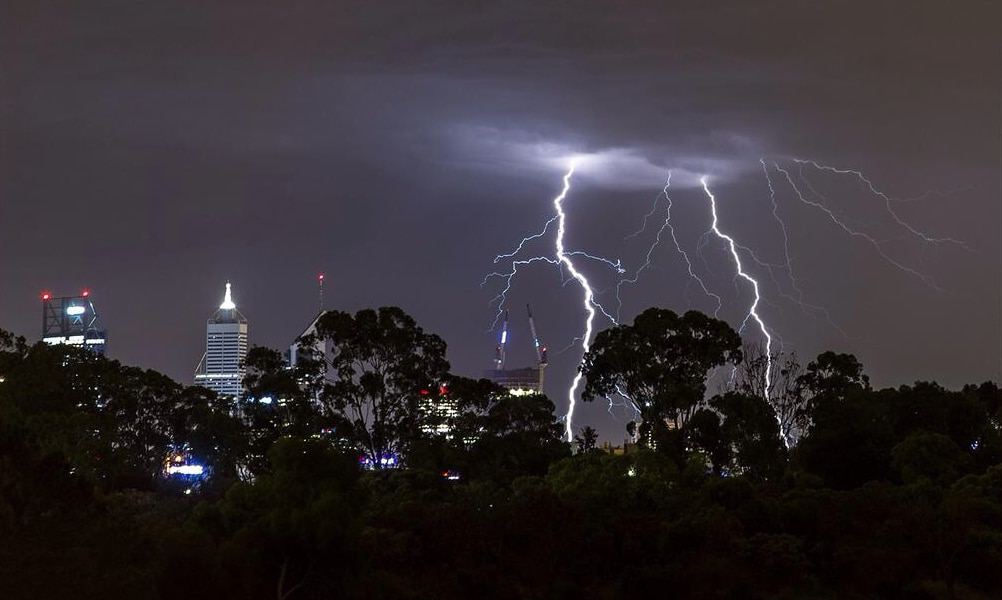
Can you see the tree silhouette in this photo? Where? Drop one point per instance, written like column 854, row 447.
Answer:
column 660, row 363
column 376, row 363
column 586, row 439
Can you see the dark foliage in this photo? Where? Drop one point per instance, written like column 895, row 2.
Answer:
column 893, row 493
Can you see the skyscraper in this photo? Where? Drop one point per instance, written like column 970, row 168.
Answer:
column 221, row 368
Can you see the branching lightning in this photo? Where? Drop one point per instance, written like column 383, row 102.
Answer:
column 887, row 202
column 753, row 310
column 858, row 234
column 667, row 224
column 508, row 278
column 743, row 257
column 561, row 259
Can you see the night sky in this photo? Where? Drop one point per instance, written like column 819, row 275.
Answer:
column 152, row 151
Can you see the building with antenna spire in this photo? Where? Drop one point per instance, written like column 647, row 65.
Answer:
column 222, row 366
column 294, row 355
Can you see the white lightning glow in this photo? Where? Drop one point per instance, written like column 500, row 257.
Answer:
column 525, row 241
column 561, row 258
column 667, row 224
column 753, row 310
column 770, row 278
column 589, row 297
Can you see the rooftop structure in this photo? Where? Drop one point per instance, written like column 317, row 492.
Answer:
column 519, row 382
column 72, row 320
column 297, row 352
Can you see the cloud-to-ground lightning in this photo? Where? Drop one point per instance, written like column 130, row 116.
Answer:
column 589, row 296
column 749, row 268
column 634, row 279
column 753, row 309
column 562, row 259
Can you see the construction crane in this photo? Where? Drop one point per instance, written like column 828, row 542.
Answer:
column 499, row 354
column 540, row 350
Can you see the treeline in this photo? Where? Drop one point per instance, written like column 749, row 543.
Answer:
column 797, row 481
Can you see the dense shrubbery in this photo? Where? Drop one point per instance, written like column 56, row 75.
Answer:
column 893, row 493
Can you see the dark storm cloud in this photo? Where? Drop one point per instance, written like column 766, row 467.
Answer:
column 154, row 150
column 241, row 76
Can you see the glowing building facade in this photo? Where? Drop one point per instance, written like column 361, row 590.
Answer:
column 437, row 412
column 519, row 382
column 222, row 366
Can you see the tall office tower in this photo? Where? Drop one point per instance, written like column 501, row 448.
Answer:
column 222, row 366
column 72, row 320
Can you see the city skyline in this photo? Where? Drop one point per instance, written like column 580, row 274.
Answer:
column 152, row 153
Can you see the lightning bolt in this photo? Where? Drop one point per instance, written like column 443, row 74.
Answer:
column 589, row 296
column 807, row 307
column 876, row 244
column 887, row 202
column 628, row 404
column 753, row 310
column 561, row 259
column 508, row 278
column 786, row 235
column 665, row 225
column 782, row 273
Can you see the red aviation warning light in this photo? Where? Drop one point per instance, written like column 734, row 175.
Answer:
column 46, row 295
column 85, row 292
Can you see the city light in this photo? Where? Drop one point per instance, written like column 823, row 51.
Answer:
column 185, row 470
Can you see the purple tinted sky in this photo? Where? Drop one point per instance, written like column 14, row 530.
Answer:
column 151, row 151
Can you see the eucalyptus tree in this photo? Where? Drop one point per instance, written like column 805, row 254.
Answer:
column 660, row 363
column 375, row 365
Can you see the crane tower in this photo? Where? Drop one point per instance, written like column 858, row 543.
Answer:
column 527, row 380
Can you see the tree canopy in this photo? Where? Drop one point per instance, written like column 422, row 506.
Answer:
column 884, row 493
column 376, row 363
column 660, row 363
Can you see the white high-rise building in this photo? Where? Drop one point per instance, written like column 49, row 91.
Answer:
column 221, row 368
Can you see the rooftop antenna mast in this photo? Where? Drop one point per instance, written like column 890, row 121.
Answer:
column 320, row 293
column 540, row 349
